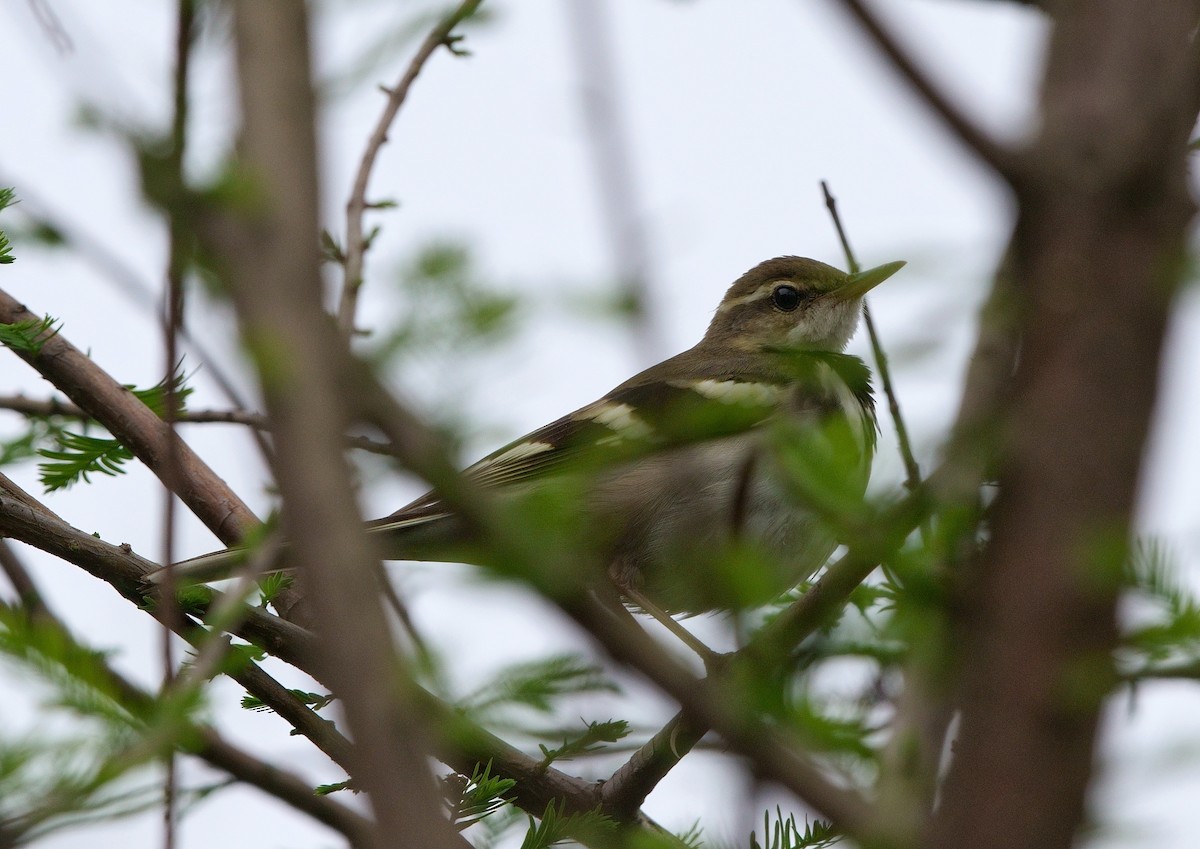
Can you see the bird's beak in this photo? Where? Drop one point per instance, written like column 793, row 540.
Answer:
column 860, row 283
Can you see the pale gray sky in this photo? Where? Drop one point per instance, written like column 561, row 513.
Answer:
column 735, row 111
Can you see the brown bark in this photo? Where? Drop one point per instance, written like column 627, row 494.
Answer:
column 271, row 255
column 1096, row 255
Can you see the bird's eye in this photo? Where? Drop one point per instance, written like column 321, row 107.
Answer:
column 786, row 298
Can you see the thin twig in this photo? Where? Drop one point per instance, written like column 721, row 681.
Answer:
column 991, row 151
column 912, row 472
column 58, row 407
column 178, row 236
column 356, row 207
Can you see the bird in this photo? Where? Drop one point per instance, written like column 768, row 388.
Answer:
column 693, row 459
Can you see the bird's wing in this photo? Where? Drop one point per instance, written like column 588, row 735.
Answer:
column 635, row 418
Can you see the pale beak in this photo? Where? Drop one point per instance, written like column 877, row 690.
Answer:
column 859, row 284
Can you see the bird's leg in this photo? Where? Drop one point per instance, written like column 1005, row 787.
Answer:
column 665, row 619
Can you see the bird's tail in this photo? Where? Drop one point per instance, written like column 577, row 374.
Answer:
column 427, row 537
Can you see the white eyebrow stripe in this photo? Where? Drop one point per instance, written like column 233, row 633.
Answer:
column 757, row 295
column 620, row 418
column 737, row 391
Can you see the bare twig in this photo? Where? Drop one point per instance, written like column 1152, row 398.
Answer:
column 356, row 207
column 911, row 470
column 59, row 407
column 628, row 787
column 179, row 237
column 991, row 151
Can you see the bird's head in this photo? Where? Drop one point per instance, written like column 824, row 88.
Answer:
column 793, row 302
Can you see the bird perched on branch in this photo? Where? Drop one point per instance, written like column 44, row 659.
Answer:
column 739, row 444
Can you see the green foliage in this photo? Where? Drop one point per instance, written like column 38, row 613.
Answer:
column 446, row 308
column 270, row 586
column 28, row 337
column 537, row 684
column 1168, row 630
column 785, row 833
column 591, row 739
column 316, row 701
column 471, row 800
column 48, row 781
column 556, row 827
column 77, row 455
column 7, row 199
column 336, row 787
column 174, row 387
column 39, row 431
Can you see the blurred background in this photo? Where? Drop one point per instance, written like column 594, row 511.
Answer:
column 581, row 145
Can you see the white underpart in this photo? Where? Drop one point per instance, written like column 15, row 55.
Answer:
column 737, row 391
column 621, row 419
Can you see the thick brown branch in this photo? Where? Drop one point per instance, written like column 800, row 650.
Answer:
column 135, row 425
column 1096, row 257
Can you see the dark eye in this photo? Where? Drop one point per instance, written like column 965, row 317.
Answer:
column 785, row 298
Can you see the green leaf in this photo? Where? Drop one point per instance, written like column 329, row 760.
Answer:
column 270, row 586
column 314, row 700
column 7, row 199
column 156, row 396
column 471, row 800
column 554, row 828
column 537, row 684
column 591, row 739
column 28, row 336
column 40, row 431
column 79, row 456
column 785, row 833
column 326, row 789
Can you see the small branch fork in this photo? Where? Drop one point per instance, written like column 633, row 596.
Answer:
column 356, row 207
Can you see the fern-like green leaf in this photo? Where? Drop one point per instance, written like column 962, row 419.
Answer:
column 28, row 336
column 7, row 199
column 592, row 738
column 537, row 684
column 316, row 701
column 78, row 457
column 556, row 827
column 785, row 833
column 471, row 800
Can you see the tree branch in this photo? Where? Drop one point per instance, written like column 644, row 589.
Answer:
column 999, row 158
column 136, row 426
column 356, row 207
